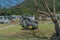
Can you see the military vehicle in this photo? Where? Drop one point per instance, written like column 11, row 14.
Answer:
column 28, row 22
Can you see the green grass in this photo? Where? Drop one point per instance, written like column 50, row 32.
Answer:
column 46, row 29
column 21, row 39
column 9, row 31
column 43, row 27
column 4, row 25
column 46, row 26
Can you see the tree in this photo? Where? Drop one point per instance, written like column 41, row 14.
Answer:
column 51, row 14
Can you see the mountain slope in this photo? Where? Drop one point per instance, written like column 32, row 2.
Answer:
column 30, row 4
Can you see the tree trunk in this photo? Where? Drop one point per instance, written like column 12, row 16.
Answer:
column 52, row 15
column 55, row 21
column 56, row 27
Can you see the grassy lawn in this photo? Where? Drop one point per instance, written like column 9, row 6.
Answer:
column 9, row 31
column 4, row 25
column 46, row 29
column 21, row 39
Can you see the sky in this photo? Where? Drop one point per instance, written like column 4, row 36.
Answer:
column 9, row 3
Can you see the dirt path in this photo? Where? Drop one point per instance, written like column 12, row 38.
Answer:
column 7, row 27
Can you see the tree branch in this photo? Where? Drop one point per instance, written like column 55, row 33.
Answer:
column 37, row 9
column 40, row 12
column 46, row 6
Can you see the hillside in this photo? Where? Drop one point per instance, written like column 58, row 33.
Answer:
column 30, row 4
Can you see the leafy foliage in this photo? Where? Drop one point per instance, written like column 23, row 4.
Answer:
column 22, row 8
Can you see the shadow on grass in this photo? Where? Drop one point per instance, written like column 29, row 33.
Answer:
column 54, row 37
column 33, row 34
column 27, row 35
column 23, row 38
